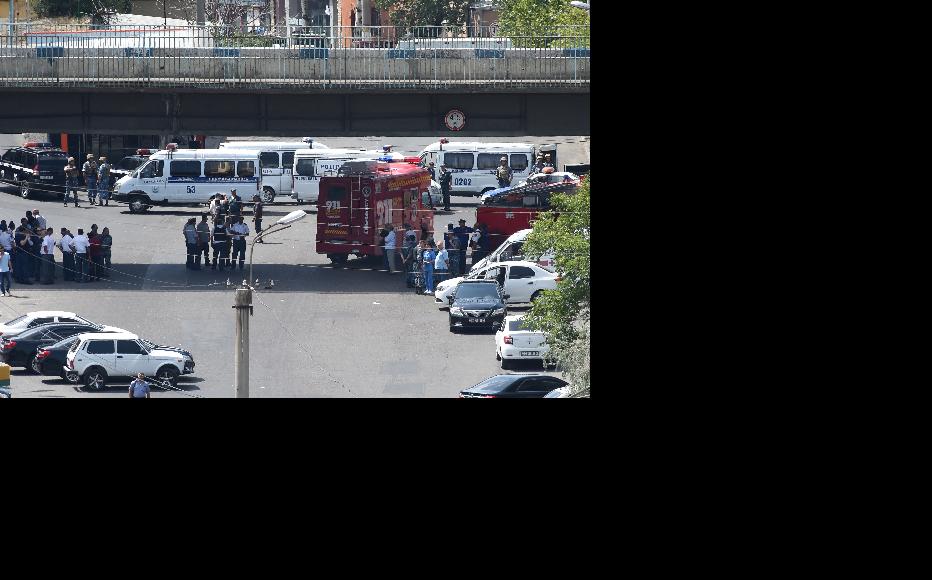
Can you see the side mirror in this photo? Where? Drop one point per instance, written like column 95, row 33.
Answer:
column 506, row 296
column 450, row 299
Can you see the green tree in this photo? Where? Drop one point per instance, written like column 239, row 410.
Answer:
column 411, row 14
column 563, row 314
column 51, row 8
column 544, row 23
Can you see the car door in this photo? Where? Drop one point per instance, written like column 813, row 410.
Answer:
column 98, row 352
column 183, row 184
column 271, row 170
column 287, row 167
column 521, row 284
column 132, row 358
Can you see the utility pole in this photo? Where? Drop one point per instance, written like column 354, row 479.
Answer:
column 201, row 11
column 243, row 305
column 288, row 23
column 12, row 18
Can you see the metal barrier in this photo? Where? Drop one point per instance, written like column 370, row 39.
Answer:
column 307, row 57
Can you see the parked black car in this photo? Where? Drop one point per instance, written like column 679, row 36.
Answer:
column 126, row 166
column 514, row 386
column 36, row 168
column 477, row 304
column 19, row 350
column 50, row 360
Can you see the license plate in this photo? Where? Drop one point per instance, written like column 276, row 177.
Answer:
column 46, row 177
column 530, row 352
column 477, row 320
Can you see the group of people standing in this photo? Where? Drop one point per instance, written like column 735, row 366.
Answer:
column 96, row 180
column 426, row 262
column 228, row 232
column 27, row 253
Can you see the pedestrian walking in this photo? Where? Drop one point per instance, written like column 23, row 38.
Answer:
column 139, row 388
column 66, row 245
column 103, row 182
column 454, row 250
column 462, row 232
column 190, row 243
column 71, row 181
column 6, row 284
column 408, row 258
column 35, row 239
column 40, row 221
column 47, row 255
column 6, row 238
column 203, row 240
column 441, row 263
column 89, row 169
column 93, row 253
column 219, row 243
column 503, row 173
column 483, row 243
column 446, row 181
column 433, row 170
column 238, row 230
column 430, row 255
column 106, row 247
column 257, row 216
column 82, row 266
column 224, row 209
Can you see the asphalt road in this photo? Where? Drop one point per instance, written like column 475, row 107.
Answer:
column 321, row 331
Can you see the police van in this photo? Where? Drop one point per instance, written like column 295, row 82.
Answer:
column 277, row 162
column 311, row 165
column 189, row 176
column 473, row 164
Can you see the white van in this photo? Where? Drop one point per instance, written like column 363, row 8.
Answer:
column 277, row 161
column 189, row 176
column 310, row 166
column 510, row 250
column 473, row 164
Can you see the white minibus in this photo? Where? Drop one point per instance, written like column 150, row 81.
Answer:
column 189, row 176
column 473, row 164
column 310, row 166
column 277, row 161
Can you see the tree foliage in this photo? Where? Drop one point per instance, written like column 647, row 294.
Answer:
column 53, row 8
column 563, row 314
column 414, row 13
column 544, row 23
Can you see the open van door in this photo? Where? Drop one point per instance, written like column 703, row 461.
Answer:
column 552, row 149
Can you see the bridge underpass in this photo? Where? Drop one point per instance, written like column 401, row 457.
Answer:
column 281, row 113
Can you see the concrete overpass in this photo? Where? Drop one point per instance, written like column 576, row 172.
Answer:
column 288, row 91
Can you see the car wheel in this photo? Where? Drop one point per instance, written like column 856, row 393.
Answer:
column 268, row 195
column 24, row 189
column 73, row 377
column 338, row 258
column 137, row 205
column 167, row 377
column 35, row 365
column 95, row 378
column 535, row 296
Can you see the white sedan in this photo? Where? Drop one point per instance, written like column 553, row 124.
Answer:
column 515, row 342
column 523, row 281
column 33, row 319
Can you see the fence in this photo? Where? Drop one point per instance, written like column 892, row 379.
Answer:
column 305, row 57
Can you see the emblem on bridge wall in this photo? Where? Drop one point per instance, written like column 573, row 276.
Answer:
column 455, row 120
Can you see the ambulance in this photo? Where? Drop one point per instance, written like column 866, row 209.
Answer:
column 473, row 164
column 277, row 162
column 362, row 198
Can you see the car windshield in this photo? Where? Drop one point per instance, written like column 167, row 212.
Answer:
column 518, row 325
column 470, row 291
column 495, row 384
column 15, row 321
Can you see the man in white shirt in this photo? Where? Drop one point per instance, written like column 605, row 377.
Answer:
column 66, row 245
column 82, row 267
column 390, row 248
column 43, row 225
column 238, row 232
column 47, row 257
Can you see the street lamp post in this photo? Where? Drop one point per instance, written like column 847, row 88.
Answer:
column 243, row 305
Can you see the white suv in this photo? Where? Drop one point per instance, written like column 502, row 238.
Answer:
column 95, row 357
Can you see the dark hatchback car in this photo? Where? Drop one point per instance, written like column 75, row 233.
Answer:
column 36, row 168
column 50, row 360
column 516, row 386
column 477, row 304
column 19, row 350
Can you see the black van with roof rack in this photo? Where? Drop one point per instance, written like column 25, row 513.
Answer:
column 36, row 168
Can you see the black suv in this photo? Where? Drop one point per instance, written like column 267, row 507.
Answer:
column 477, row 304
column 35, row 168
column 126, row 166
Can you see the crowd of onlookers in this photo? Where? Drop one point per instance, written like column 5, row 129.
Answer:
column 28, row 250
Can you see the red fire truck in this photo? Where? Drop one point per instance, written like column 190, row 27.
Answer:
column 364, row 196
column 516, row 208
